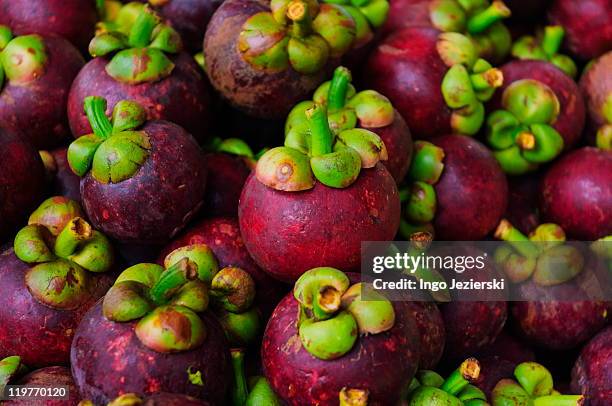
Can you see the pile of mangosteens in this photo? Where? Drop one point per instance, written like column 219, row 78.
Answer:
column 191, row 191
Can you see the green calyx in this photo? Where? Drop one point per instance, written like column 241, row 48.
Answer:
column 522, row 134
column 62, row 248
column 22, row 59
column 533, row 385
column 200, row 254
column 10, row 368
column 543, row 256
column 255, row 391
column 139, row 54
column 545, row 47
column 116, row 150
column 118, row 17
column 333, row 314
column 353, row 397
column 317, row 153
column 467, row 84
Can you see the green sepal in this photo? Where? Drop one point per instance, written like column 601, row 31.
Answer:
column 430, row 396
column 603, row 138
column 128, row 115
column 321, row 94
column 32, row 244
column 233, row 289
column 55, row 212
column 119, row 157
column 329, row 339
column 126, row 301
column 171, row 329
column 429, row 378
column 531, row 102
column 468, row 120
column 557, row 265
column 319, row 290
column 6, row 35
column 241, row 329
column 502, row 129
column 193, row 295
column 297, row 127
column 337, row 28
column 166, row 39
column 363, row 29
column 235, row 146
column 60, row 284
column 77, row 231
column 139, row 65
column 548, row 144
column 81, row 153
column 24, row 58
column 10, row 368
column 284, row 168
column 495, row 43
column 447, row 15
column 545, row 48
column 421, row 207
column 146, row 274
column 95, row 255
column 338, row 169
column 372, row 109
column 142, row 29
column 534, row 378
column 512, row 162
column 472, row 393
column 373, row 315
column 107, row 43
column 427, row 162
column 263, row 42
column 261, row 393
column 455, row 48
column 457, row 88
column 508, row 393
column 368, row 145
column 375, row 11
column 201, row 255
column 308, row 55
column 484, row 19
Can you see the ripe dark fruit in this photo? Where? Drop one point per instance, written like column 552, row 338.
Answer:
column 596, row 86
column 35, row 76
column 22, row 181
column 592, row 373
column 431, row 327
column 265, row 57
column 341, row 354
column 147, row 67
column 142, row 181
column 576, row 193
column 587, row 23
column 74, row 20
column 49, row 281
column 51, row 377
column 435, row 80
column 324, row 201
column 63, row 181
column 536, row 114
column 523, row 195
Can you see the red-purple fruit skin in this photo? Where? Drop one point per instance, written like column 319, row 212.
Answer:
column 571, row 118
column 523, row 194
column 288, row 233
column 258, row 92
column 431, row 327
column 173, row 399
column 557, row 324
column 592, row 373
column 37, row 110
column 226, row 177
column 48, row 377
column 65, row 182
column 587, row 23
column 407, row 69
column 39, row 334
column 108, row 360
column 407, row 13
column 74, row 20
column 380, row 363
column 398, row 141
column 159, row 199
column 22, row 181
column 182, row 98
column 576, row 193
column 222, row 235
column 596, row 86
column 472, row 192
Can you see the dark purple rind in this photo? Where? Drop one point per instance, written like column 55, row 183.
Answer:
column 173, row 399
column 159, row 199
column 37, row 110
column 65, row 182
column 592, row 373
column 407, row 13
column 288, row 233
column 398, row 142
column 40, row 335
column 226, row 177
column 431, row 327
column 108, row 360
column 523, row 194
column 51, row 377
column 596, row 86
column 182, row 98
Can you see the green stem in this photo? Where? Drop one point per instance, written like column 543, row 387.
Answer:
column 553, row 37
column 489, row 16
column 321, row 136
column 297, row 11
column 336, row 98
column 507, row 232
column 140, row 34
column 240, row 391
column 95, row 109
column 172, row 279
column 76, row 231
column 468, row 371
column 559, row 400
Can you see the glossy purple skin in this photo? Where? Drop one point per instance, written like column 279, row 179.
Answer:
column 159, row 199
column 39, row 334
column 587, row 23
column 288, row 233
column 592, row 373
column 103, row 349
column 182, row 98
column 48, row 377
column 37, row 109
column 576, row 193
column 431, row 327
column 222, row 235
column 257, row 92
column 226, row 177
column 22, row 181
column 65, row 182
column 405, row 13
column 398, row 142
column 380, row 363
column 74, row 20
column 407, row 68
column 472, row 192
column 557, row 325
column 596, row 87
column 571, row 118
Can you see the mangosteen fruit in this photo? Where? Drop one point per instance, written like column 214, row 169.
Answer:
column 347, row 109
column 434, row 79
column 22, row 180
column 146, row 66
column 264, row 57
column 592, row 373
column 576, row 193
column 329, row 192
column 36, row 72
column 63, row 182
column 596, row 86
column 479, row 20
column 432, row 331
column 537, row 113
column 523, row 195
column 74, row 20
column 587, row 23
column 254, row 391
column 142, row 181
column 356, row 348
column 52, row 276
column 156, row 399
column 151, row 334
